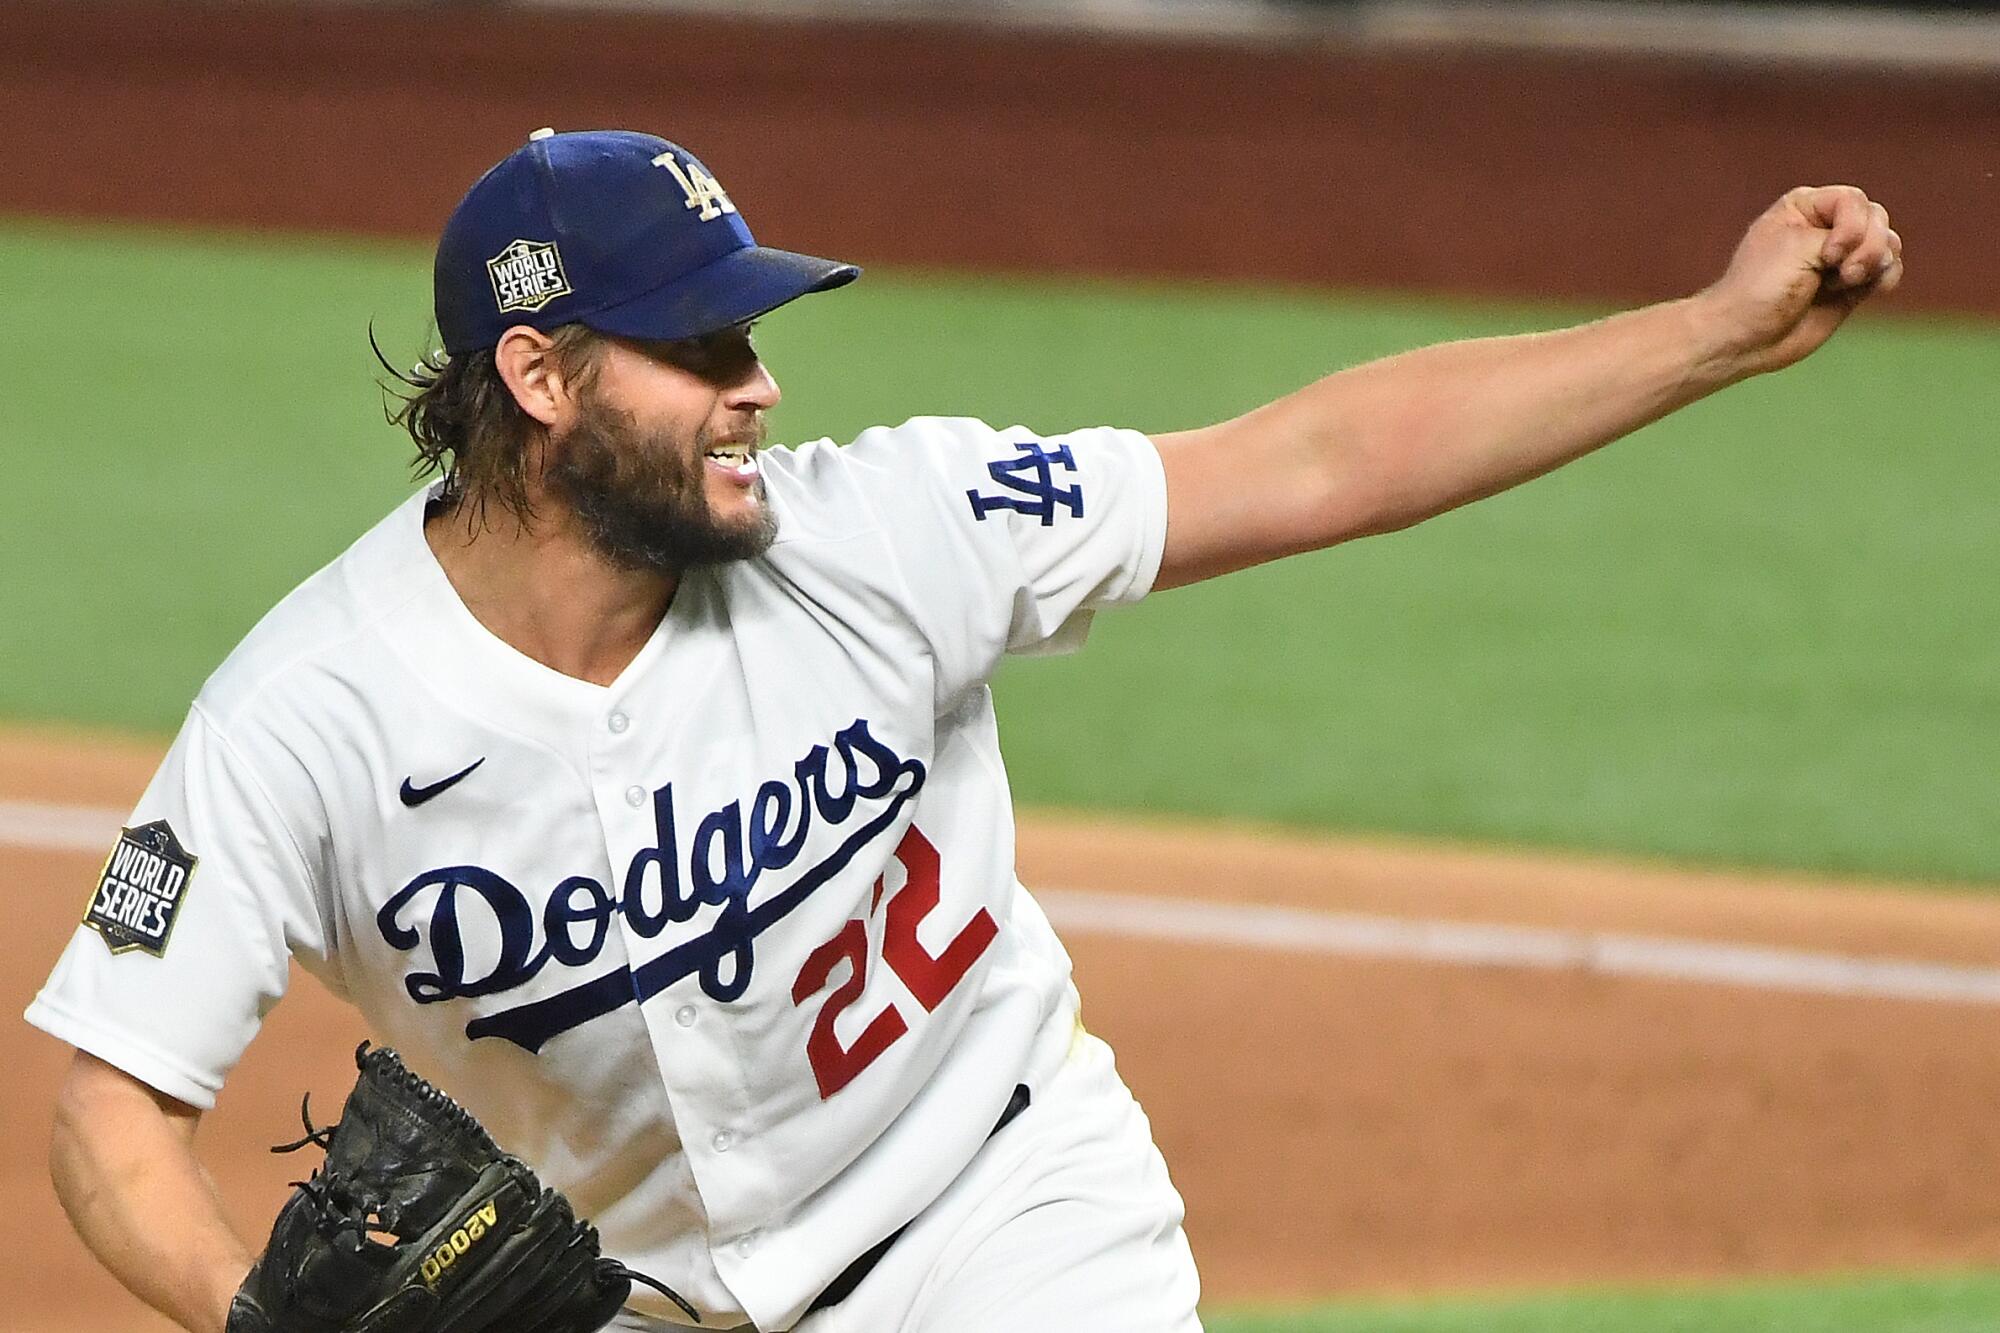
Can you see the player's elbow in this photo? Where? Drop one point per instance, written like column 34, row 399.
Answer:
column 1373, row 512
column 1264, row 487
column 1344, row 475
column 1386, row 472
column 1349, row 490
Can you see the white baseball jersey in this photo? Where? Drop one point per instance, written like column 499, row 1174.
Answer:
column 730, row 950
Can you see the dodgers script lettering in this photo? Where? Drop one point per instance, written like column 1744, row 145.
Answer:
column 857, row 778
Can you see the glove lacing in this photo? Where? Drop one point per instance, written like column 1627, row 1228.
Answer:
column 611, row 1268
column 337, row 1213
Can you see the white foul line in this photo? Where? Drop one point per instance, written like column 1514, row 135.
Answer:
column 1289, row 930
column 1345, row 934
column 58, row 828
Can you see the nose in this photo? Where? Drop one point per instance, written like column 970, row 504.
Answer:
column 755, row 390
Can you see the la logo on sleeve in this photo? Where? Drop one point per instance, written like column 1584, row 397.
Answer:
column 139, row 895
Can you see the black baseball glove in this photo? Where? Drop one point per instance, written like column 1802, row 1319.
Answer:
column 417, row 1222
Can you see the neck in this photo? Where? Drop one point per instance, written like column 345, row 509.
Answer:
column 540, row 588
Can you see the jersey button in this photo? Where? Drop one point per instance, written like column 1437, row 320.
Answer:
column 746, row 1245
column 685, row 1015
column 618, row 721
column 723, row 1140
column 635, row 795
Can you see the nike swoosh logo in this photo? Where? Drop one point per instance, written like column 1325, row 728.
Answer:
column 416, row 796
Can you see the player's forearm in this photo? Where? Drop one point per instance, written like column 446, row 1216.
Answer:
column 1414, row 435
column 127, row 1176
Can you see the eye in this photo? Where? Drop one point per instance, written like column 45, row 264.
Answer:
column 721, row 357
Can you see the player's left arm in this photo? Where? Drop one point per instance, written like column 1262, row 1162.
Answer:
column 1384, row 445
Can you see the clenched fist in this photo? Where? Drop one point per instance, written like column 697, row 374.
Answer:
column 1803, row 265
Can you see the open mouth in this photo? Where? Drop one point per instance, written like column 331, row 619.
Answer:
column 737, row 461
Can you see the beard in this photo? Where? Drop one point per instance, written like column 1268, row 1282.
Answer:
column 641, row 496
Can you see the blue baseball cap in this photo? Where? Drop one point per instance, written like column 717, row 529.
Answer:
column 623, row 232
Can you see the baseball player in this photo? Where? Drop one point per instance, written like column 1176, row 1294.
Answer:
column 642, row 785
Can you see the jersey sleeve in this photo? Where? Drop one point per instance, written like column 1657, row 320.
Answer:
column 1009, row 541
column 190, row 926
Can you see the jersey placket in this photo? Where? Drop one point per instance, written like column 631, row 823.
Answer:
column 646, row 830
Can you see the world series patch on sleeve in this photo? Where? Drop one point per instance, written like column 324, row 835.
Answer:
column 140, row 893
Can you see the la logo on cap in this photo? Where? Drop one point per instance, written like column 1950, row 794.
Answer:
column 527, row 275
column 703, row 191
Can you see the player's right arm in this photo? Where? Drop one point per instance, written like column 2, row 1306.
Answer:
column 122, row 1159
column 202, row 902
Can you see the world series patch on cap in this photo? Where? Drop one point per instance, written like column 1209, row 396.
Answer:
column 140, row 893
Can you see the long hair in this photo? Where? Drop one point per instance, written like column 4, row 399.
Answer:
column 466, row 426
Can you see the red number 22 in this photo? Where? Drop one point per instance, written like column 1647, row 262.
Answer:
column 930, row 977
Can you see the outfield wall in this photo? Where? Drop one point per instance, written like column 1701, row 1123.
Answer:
column 1600, row 177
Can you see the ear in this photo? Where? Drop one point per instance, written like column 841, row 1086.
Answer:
column 528, row 366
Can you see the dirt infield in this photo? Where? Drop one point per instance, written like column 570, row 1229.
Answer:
column 1337, row 1124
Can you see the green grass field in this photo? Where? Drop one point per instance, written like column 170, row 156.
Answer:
column 1950, row 1304
column 1759, row 633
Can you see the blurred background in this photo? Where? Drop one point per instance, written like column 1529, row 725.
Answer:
column 1733, row 684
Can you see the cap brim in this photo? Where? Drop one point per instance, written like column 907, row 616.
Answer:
column 740, row 286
